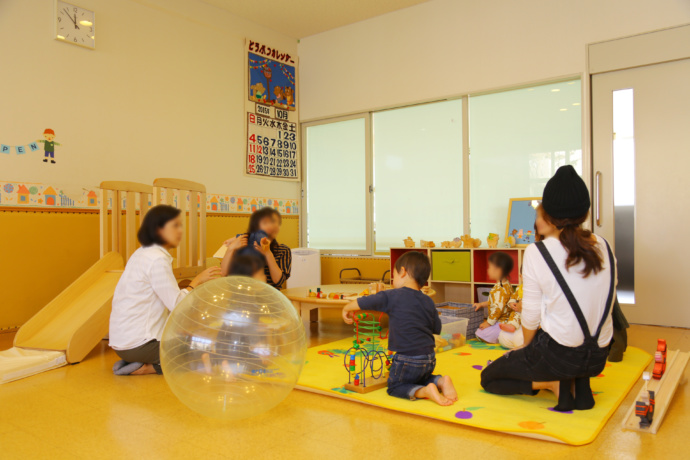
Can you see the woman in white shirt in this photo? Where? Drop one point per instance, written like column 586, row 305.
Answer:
column 147, row 292
column 569, row 283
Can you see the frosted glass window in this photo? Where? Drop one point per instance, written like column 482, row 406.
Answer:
column 518, row 139
column 624, row 192
column 336, row 189
column 418, row 174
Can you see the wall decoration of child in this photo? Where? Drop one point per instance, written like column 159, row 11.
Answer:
column 49, row 145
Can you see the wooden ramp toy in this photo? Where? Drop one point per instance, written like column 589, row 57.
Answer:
column 656, row 395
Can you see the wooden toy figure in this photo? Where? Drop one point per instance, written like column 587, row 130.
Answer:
column 492, row 240
column 409, row 242
column 426, row 244
column 644, row 408
column 659, row 359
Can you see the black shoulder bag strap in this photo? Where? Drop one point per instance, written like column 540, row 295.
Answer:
column 571, row 298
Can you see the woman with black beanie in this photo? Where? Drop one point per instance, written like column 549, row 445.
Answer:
column 569, row 286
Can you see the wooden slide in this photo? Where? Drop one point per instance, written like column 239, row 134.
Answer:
column 77, row 319
column 69, row 327
column 73, row 323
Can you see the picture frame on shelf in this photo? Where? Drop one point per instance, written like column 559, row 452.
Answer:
column 522, row 213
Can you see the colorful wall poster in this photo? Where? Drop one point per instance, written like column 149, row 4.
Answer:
column 271, row 113
column 522, row 213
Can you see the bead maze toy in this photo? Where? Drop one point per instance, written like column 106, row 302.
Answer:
column 367, row 361
column 650, row 406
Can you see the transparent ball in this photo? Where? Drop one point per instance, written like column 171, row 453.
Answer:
column 233, row 348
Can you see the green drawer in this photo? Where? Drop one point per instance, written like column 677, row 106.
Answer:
column 450, row 265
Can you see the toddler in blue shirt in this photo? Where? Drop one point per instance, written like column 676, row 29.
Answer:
column 413, row 321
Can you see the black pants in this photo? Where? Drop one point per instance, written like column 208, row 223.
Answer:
column 148, row 353
column 543, row 360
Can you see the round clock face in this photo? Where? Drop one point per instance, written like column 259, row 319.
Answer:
column 75, row 25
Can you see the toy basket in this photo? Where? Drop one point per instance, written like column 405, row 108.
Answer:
column 453, row 333
column 462, row 310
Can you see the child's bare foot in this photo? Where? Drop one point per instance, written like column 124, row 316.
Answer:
column 445, row 384
column 507, row 327
column 146, row 369
column 431, row 392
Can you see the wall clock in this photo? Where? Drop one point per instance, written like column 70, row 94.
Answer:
column 75, row 25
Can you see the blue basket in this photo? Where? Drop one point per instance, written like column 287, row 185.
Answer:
column 462, row 310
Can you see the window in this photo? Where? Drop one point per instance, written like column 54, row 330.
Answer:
column 418, row 173
column 426, row 163
column 336, row 186
column 624, row 192
column 518, row 139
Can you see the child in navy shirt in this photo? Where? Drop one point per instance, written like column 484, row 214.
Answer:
column 413, row 321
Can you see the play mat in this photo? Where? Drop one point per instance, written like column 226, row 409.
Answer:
column 520, row 415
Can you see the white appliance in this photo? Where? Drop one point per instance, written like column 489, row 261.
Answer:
column 306, row 268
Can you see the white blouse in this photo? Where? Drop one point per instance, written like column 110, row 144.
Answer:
column 545, row 304
column 144, row 296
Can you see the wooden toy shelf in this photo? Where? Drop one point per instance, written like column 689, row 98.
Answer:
column 457, row 274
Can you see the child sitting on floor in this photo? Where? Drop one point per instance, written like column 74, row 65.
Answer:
column 503, row 324
column 249, row 264
column 413, row 323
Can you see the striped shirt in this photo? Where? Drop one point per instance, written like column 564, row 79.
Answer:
column 283, row 257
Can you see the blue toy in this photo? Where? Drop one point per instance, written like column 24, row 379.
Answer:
column 255, row 237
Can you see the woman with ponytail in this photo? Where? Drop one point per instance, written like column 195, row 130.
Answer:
column 569, row 280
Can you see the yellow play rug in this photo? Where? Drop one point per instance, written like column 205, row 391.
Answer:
column 530, row 416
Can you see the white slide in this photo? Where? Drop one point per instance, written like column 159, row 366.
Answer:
column 69, row 327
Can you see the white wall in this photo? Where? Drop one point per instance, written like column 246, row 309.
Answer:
column 161, row 96
column 449, row 47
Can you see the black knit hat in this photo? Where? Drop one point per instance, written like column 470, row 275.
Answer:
column 566, row 195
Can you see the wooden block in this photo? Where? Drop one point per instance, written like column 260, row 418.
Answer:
column 372, row 385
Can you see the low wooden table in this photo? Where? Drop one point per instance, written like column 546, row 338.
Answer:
column 306, row 305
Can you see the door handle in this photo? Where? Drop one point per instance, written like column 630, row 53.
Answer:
column 597, row 198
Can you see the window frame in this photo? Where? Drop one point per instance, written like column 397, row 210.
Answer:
column 466, row 152
column 368, row 181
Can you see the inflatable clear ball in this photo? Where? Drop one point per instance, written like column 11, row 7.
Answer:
column 233, row 348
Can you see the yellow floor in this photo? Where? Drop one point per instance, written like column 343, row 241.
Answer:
column 83, row 411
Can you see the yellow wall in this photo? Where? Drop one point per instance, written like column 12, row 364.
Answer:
column 371, row 267
column 41, row 253
column 162, row 95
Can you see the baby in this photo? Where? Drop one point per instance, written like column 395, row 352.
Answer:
column 413, row 323
column 503, row 324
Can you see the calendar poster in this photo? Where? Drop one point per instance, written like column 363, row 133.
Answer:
column 271, row 113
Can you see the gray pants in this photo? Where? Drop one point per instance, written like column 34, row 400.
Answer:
column 148, row 353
